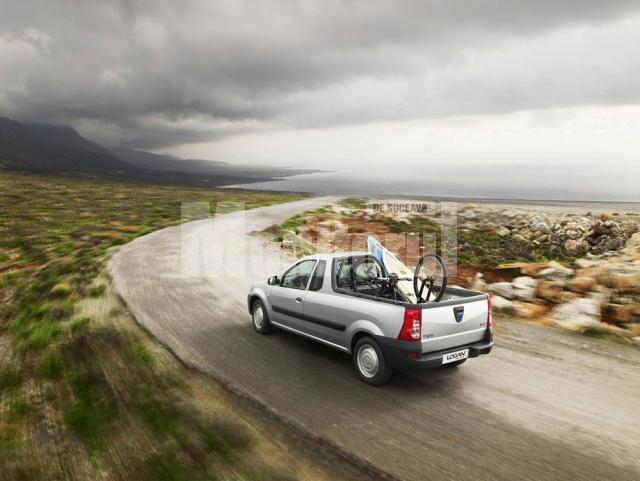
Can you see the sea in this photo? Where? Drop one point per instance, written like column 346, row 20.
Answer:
column 508, row 189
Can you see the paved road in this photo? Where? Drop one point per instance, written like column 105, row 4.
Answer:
column 544, row 405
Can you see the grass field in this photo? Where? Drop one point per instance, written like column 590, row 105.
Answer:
column 84, row 393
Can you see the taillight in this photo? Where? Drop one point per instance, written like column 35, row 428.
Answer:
column 489, row 319
column 412, row 325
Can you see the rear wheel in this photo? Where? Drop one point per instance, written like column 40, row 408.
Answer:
column 369, row 362
column 260, row 318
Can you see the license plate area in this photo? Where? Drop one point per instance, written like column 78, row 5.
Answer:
column 455, row 356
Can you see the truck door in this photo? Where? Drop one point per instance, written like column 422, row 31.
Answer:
column 320, row 318
column 287, row 298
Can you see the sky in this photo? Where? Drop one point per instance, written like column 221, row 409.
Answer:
column 334, row 84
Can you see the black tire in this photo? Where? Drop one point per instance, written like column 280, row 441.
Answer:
column 382, row 373
column 455, row 363
column 264, row 326
column 443, row 282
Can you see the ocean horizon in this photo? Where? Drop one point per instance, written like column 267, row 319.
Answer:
column 351, row 184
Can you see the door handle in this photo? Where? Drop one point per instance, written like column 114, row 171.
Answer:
column 298, row 299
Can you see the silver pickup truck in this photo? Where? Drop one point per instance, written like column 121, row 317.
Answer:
column 326, row 298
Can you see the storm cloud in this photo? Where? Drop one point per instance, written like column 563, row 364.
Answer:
column 154, row 74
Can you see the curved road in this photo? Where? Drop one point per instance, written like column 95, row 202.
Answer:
column 543, row 405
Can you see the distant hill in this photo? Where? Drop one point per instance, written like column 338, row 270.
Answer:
column 41, row 147
column 44, row 147
column 168, row 163
column 148, row 160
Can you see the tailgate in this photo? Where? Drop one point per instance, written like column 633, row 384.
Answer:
column 451, row 324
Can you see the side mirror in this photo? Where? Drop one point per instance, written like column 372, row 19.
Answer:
column 273, row 281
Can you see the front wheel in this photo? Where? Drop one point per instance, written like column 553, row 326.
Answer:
column 260, row 318
column 370, row 364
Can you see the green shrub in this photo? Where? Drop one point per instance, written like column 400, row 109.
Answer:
column 79, row 323
column 51, row 367
column 97, row 291
column 41, row 336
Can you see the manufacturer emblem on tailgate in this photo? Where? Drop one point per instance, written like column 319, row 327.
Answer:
column 458, row 312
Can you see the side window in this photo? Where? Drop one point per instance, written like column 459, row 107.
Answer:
column 318, row 276
column 343, row 271
column 298, row 276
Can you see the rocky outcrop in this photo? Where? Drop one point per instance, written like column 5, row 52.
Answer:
column 502, row 289
column 577, row 314
column 570, row 234
column 524, row 288
column 602, row 291
column 555, row 271
column 501, row 304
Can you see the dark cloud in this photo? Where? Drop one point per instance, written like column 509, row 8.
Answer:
column 156, row 73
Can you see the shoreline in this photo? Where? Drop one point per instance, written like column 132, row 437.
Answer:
column 576, row 206
column 355, row 189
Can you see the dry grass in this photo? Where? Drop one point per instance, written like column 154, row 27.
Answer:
column 84, row 393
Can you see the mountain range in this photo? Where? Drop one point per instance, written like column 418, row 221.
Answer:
column 39, row 147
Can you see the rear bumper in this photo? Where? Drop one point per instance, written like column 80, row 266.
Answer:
column 402, row 355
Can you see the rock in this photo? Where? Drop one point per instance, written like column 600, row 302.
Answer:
column 550, row 290
column 575, row 247
column 555, row 271
column 503, row 232
column 479, row 283
column 577, row 314
column 572, row 233
column 621, row 300
column 531, row 269
column 486, row 226
column 582, row 284
column 572, row 225
column 503, row 289
column 524, row 288
column 624, row 282
column 585, row 263
column 469, row 214
column 597, row 273
column 622, row 314
column 567, row 296
column 524, row 282
column 634, row 329
column 539, row 224
column 501, row 304
column 632, row 247
column 528, row 310
column 606, row 244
